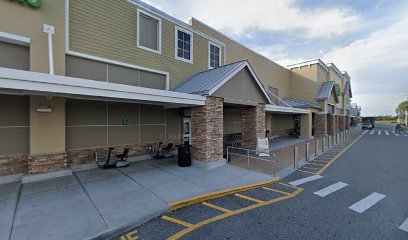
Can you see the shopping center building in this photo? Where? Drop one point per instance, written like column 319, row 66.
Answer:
column 81, row 76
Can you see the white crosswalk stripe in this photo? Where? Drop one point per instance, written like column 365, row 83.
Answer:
column 367, row 202
column 330, row 189
column 404, row 226
column 305, row 180
column 387, row 133
column 372, row 132
column 379, row 132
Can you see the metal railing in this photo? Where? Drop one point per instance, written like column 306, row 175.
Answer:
column 248, row 158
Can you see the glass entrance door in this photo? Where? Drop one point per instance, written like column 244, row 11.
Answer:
column 187, row 131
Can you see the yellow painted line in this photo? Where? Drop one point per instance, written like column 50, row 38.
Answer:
column 288, row 185
column 320, row 161
column 275, row 190
column 216, row 207
column 249, row 198
column 182, row 223
column 225, row 215
column 341, row 153
column 130, row 236
column 318, row 164
column 209, row 196
column 306, row 171
column 312, row 168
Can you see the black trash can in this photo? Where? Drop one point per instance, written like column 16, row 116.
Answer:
column 184, row 156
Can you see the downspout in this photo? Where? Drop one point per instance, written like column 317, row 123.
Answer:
column 50, row 30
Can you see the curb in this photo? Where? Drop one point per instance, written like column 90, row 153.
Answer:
column 209, row 196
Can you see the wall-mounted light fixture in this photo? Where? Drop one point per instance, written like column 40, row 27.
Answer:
column 44, row 109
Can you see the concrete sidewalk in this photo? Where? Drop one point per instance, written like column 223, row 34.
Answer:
column 96, row 202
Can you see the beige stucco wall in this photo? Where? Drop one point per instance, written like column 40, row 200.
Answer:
column 25, row 21
column 305, row 83
column 269, row 72
column 280, row 124
column 47, row 132
column 232, row 120
column 241, row 89
column 92, row 124
column 108, row 29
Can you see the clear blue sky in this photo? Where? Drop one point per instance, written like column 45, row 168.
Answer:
column 367, row 38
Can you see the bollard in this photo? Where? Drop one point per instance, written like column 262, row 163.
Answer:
column 323, row 144
column 329, row 143
column 307, row 152
column 295, row 161
column 317, row 148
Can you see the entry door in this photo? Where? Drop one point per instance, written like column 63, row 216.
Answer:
column 187, row 131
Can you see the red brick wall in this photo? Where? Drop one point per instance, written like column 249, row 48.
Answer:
column 331, row 124
column 342, row 123
column 320, row 124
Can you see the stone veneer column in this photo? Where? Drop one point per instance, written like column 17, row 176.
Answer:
column 207, row 129
column 331, row 124
column 342, row 123
column 253, row 125
column 320, row 124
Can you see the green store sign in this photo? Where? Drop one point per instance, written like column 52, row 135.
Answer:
column 32, row 3
column 337, row 88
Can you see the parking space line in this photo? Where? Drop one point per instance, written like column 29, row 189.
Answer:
column 249, row 198
column 367, row 202
column 217, row 207
column 404, row 226
column 321, row 161
column 182, row 223
column 236, row 212
column 275, row 190
column 318, row 164
column 300, row 170
column 305, row 180
column 312, row 168
column 290, row 186
column 330, row 189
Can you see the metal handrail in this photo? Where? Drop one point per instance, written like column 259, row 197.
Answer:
column 248, row 156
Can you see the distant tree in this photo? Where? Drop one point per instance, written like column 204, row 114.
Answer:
column 403, row 106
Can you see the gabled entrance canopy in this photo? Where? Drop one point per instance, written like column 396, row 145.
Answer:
column 326, row 91
column 237, row 83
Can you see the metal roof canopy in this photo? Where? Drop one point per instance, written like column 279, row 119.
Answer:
column 33, row 83
column 296, row 103
column 285, row 110
column 208, row 82
column 326, row 90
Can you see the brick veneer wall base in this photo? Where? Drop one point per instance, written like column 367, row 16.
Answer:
column 13, row 164
column 253, row 125
column 207, row 127
column 43, row 163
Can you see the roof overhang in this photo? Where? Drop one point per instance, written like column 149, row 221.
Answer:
column 281, row 109
column 33, row 83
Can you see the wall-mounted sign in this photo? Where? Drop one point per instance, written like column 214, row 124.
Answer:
column 32, row 3
column 337, row 88
column 125, row 120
